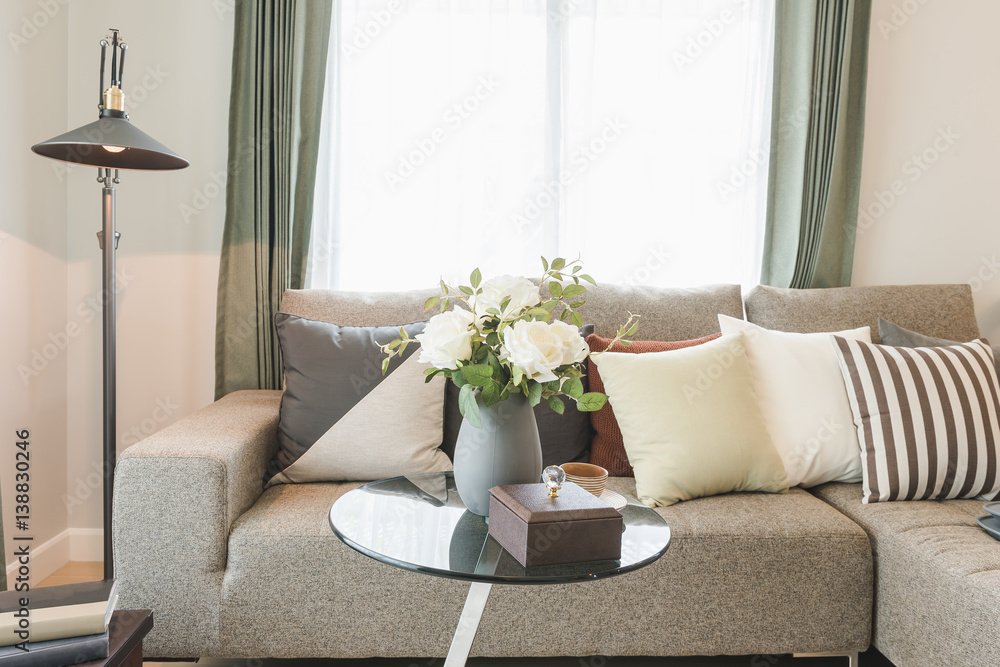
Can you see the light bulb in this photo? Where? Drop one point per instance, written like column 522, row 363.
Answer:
column 113, row 149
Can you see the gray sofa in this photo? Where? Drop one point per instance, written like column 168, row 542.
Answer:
column 234, row 571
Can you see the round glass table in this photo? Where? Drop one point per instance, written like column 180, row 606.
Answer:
column 419, row 523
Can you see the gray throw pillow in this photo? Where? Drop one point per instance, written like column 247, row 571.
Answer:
column 565, row 437
column 893, row 334
column 328, row 370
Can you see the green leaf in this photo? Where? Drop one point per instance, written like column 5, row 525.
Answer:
column 458, row 379
column 444, row 287
column 385, row 365
column 549, row 305
column 545, row 264
column 558, row 263
column 465, row 289
column 516, row 374
column 468, row 406
column 573, row 290
column 431, row 302
column 556, row 404
column 632, row 329
column 539, row 313
column 504, row 302
column 491, row 394
column 493, row 339
column 534, row 393
column 590, row 280
column 576, row 269
column 573, row 387
column 478, row 374
column 576, row 318
column 555, row 289
column 577, row 304
column 394, row 344
column 475, row 278
column 494, row 363
column 591, row 401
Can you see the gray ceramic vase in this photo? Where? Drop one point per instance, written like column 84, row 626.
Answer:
column 506, row 450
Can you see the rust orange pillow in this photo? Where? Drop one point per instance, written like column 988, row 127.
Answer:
column 608, row 449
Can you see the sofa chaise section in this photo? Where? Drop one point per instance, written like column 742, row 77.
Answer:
column 937, row 578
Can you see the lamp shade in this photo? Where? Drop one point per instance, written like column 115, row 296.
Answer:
column 110, row 143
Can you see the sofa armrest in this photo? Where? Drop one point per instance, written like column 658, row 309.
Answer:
column 177, row 494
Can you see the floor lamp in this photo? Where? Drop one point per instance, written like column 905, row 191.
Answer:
column 110, row 143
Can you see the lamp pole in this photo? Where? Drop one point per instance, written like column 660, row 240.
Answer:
column 110, row 400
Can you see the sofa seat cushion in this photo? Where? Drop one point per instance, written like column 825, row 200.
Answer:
column 935, row 569
column 745, row 574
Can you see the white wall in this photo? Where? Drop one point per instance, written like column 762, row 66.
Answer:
column 932, row 128
column 176, row 81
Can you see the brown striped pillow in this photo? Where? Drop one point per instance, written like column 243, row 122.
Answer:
column 927, row 419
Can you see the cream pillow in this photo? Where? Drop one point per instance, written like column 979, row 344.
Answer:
column 690, row 422
column 797, row 379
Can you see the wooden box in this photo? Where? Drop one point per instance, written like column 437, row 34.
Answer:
column 574, row 527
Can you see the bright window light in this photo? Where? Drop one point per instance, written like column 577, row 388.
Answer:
column 458, row 135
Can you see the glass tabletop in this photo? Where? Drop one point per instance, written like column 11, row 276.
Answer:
column 419, row 523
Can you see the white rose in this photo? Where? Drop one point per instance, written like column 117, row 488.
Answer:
column 575, row 348
column 522, row 292
column 538, row 348
column 446, row 339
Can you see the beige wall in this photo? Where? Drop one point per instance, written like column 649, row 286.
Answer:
column 932, row 131
column 177, row 86
column 33, row 340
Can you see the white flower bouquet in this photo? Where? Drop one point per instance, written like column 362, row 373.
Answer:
column 504, row 338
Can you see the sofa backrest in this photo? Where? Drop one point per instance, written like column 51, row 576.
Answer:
column 943, row 311
column 667, row 313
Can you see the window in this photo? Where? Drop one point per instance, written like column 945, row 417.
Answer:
column 469, row 134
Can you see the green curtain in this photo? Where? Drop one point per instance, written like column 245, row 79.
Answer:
column 817, row 134
column 279, row 67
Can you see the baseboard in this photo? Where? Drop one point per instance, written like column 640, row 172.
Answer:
column 78, row 544
column 44, row 559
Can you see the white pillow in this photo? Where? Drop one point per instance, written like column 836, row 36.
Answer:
column 797, row 379
column 691, row 423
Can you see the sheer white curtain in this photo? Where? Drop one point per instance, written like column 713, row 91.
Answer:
column 464, row 134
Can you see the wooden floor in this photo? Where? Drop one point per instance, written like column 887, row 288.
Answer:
column 74, row 572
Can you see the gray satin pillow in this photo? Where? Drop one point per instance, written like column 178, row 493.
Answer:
column 328, row 370
column 893, row 334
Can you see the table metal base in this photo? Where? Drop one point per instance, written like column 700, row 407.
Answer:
column 475, row 602
column 468, row 624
